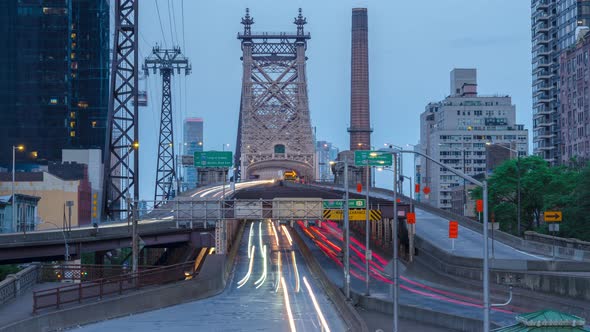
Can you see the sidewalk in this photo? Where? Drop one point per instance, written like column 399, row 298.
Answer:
column 22, row 307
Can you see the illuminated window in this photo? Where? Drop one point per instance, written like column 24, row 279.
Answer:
column 74, row 65
column 73, row 45
column 73, row 35
column 53, row 101
column 72, row 133
column 73, row 115
column 93, row 124
column 73, row 124
column 83, row 104
column 72, row 56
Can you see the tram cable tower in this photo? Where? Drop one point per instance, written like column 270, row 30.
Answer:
column 166, row 61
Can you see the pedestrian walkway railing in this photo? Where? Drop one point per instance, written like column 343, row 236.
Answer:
column 57, row 297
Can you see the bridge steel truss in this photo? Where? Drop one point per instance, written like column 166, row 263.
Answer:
column 121, row 159
column 274, row 131
column 166, row 61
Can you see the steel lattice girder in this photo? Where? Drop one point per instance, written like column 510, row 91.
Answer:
column 121, row 158
column 274, row 107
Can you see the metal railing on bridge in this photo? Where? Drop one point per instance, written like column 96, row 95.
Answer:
column 188, row 211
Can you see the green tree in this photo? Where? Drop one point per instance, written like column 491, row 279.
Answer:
column 7, row 269
column 540, row 185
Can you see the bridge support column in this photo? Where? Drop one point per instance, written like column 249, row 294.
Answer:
column 220, row 237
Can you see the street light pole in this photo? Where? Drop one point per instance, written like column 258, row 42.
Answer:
column 395, row 253
column 486, row 268
column 346, row 257
column 14, row 205
column 347, row 234
column 67, row 254
column 367, row 232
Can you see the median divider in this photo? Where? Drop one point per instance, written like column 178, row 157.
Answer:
column 427, row 316
column 345, row 309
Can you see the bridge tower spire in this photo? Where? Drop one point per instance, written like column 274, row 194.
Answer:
column 166, row 61
column 121, row 154
column 274, row 131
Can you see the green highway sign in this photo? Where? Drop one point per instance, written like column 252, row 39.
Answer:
column 339, row 203
column 213, row 159
column 372, row 158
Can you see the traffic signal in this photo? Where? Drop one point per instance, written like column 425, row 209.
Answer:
column 359, row 187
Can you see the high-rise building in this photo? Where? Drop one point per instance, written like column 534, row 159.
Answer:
column 54, row 69
column 325, row 153
column 553, row 28
column 574, row 75
column 192, row 142
column 455, row 131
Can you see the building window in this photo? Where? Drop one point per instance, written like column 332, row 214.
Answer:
column 72, row 133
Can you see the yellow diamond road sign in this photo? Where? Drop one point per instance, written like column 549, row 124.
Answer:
column 552, row 216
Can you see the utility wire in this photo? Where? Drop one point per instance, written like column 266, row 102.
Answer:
column 182, row 13
column 174, row 20
column 161, row 27
column 170, row 23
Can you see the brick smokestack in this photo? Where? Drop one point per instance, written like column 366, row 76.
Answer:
column 360, row 118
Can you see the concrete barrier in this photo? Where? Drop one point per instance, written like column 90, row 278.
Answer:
column 14, row 284
column 423, row 315
column 556, row 240
column 349, row 315
column 533, row 275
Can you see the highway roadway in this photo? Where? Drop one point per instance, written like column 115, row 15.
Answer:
column 270, row 290
column 434, row 229
column 326, row 244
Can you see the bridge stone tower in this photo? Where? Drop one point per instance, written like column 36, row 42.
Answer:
column 274, row 131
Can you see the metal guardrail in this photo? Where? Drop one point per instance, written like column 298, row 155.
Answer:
column 186, row 210
column 76, row 293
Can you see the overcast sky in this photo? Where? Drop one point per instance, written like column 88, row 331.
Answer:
column 413, row 46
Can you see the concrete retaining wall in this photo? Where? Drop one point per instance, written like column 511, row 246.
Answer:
column 559, row 241
column 436, row 318
column 530, row 275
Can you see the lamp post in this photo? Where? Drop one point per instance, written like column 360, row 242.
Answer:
column 14, row 148
column 346, row 231
column 67, row 254
column 517, row 183
column 486, row 267
column 224, row 175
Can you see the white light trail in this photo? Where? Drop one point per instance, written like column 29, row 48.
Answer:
column 279, row 269
column 286, row 231
column 296, row 270
column 325, row 326
column 262, row 279
column 260, row 236
column 250, row 239
column 274, row 231
column 288, row 306
column 247, row 276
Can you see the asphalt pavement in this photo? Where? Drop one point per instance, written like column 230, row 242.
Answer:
column 247, row 308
